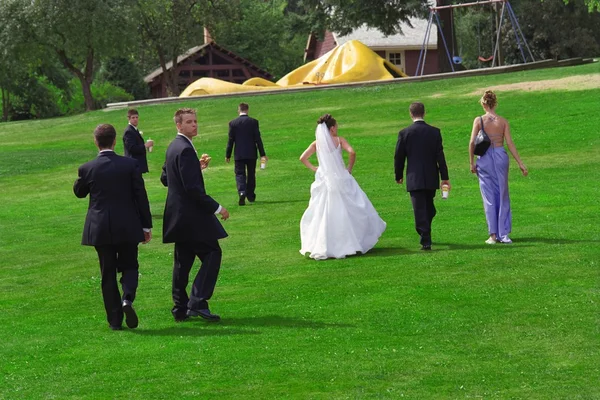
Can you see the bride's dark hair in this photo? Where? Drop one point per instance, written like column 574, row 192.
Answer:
column 328, row 120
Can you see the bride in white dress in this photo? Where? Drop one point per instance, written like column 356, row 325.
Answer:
column 340, row 220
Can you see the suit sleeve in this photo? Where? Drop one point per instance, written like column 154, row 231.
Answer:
column 230, row 141
column 400, row 156
column 441, row 159
column 193, row 184
column 163, row 175
column 258, row 141
column 80, row 187
column 129, row 142
column 141, row 197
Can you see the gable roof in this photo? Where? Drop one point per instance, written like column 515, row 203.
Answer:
column 410, row 37
column 194, row 50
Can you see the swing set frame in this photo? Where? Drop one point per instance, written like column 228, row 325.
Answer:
column 506, row 8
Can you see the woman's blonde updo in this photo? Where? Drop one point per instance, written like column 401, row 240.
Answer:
column 328, row 120
column 489, row 99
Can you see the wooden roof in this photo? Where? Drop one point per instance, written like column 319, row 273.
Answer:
column 195, row 50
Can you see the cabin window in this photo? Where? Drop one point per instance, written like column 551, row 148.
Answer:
column 396, row 58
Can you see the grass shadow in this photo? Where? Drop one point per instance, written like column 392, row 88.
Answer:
column 281, row 322
column 476, row 246
column 191, row 328
column 259, row 202
column 548, row 240
column 386, row 252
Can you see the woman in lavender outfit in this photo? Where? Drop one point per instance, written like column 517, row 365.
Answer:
column 492, row 169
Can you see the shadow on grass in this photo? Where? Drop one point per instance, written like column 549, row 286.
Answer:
column 157, row 216
column 259, row 202
column 281, row 322
column 477, row 246
column 386, row 252
column 193, row 328
column 548, row 240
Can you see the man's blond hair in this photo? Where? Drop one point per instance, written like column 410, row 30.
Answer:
column 179, row 114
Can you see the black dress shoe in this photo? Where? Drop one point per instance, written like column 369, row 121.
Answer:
column 251, row 199
column 242, row 201
column 131, row 318
column 426, row 247
column 204, row 314
column 181, row 318
column 116, row 327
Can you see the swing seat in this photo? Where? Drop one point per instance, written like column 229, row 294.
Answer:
column 483, row 59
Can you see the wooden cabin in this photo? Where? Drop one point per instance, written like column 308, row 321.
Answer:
column 208, row 60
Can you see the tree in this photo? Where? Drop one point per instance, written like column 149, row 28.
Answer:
column 124, row 73
column 559, row 31
column 13, row 60
column 343, row 16
column 592, row 5
column 77, row 32
column 264, row 35
column 172, row 26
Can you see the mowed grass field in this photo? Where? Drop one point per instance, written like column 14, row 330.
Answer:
column 467, row 320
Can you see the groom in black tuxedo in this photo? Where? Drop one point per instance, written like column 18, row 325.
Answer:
column 118, row 218
column 421, row 145
column 244, row 135
column 190, row 222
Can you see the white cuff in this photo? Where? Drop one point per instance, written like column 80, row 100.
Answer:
column 219, row 209
column 147, row 230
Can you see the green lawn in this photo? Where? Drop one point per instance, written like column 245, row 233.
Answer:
column 466, row 320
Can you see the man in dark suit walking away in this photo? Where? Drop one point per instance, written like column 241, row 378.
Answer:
column 133, row 143
column 421, row 145
column 191, row 223
column 244, row 135
column 118, row 218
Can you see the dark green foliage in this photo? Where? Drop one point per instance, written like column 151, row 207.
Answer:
column 342, row 16
column 263, row 34
column 552, row 29
column 559, row 31
column 103, row 92
column 124, row 73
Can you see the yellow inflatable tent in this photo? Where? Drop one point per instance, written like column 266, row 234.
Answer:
column 350, row 62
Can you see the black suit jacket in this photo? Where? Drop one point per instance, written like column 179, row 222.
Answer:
column 133, row 143
column 421, row 145
column 118, row 208
column 244, row 133
column 189, row 212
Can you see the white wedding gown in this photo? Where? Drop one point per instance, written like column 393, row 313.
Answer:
column 340, row 220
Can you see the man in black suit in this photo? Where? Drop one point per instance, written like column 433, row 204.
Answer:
column 118, row 218
column 134, row 144
column 190, row 222
column 421, row 145
column 244, row 135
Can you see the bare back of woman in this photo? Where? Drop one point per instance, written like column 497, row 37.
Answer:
column 494, row 126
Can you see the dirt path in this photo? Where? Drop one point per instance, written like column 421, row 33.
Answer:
column 577, row 82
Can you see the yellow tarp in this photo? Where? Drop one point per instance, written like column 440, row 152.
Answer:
column 350, row 62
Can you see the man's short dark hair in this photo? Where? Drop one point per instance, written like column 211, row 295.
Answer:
column 131, row 112
column 105, row 135
column 417, row 109
column 243, row 107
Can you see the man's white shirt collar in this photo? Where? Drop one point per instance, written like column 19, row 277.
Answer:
column 243, row 114
column 105, row 151
column 189, row 140
column 418, row 119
